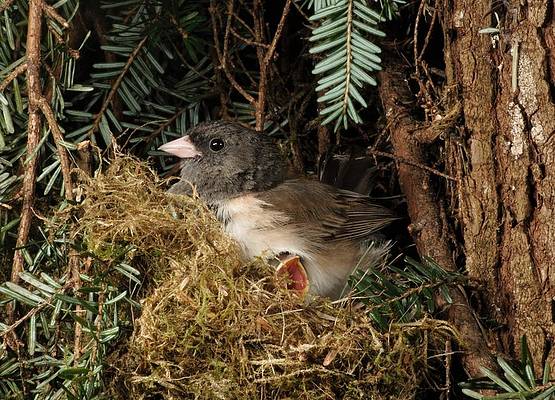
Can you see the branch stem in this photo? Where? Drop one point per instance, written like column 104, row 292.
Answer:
column 52, row 13
column 223, row 60
column 116, row 86
column 62, row 151
column 33, row 133
column 261, row 103
column 429, row 225
column 21, row 68
column 5, row 5
column 413, row 163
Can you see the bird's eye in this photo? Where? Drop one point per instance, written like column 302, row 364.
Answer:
column 216, row 144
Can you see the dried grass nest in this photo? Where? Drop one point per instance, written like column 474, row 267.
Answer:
column 213, row 326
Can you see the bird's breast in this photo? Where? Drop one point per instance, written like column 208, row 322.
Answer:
column 258, row 228
column 262, row 230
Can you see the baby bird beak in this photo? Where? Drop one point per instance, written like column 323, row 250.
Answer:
column 182, row 148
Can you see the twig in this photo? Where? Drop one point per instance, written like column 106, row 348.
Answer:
column 419, row 64
column 5, row 5
column 264, row 57
column 59, row 39
column 238, row 18
column 98, row 324
column 277, row 35
column 257, row 16
column 37, row 103
column 221, row 88
column 448, row 363
column 222, row 61
column 245, row 71
column 184, row 34
column 227, row 29
column 405, row 295
column 200, row 74
column 33, row 128
column 62, row 151
column 52, row 13
column 301, row 11
column 8, row 330
column 163, row 126
column 415, row 37
column 428, row 34
column 34, row 125
column 12, row 75
column 261, row 104
column 247, row 41
column 413, row 163
column 116, row 86
column 247, row 7
column 74, row 264
column 31, row 312
column 53, row 75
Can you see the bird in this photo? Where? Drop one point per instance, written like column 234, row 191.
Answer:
column 242, row 176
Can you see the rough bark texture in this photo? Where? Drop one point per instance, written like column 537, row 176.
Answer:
column 507, row 162
column 34, row 128
column 428, row 227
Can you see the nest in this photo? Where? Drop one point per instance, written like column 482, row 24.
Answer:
column 213, row 326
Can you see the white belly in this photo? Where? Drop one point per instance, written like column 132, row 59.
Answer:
column 259, row 231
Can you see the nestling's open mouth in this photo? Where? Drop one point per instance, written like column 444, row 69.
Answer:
column 292, row 266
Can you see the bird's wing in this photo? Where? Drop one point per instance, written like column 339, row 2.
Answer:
column 325, row 211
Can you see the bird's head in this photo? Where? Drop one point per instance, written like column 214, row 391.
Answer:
column 225, row 160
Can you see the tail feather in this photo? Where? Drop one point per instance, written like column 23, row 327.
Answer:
column 348, row 172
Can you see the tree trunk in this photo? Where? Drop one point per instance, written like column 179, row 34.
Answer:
column 506, row 160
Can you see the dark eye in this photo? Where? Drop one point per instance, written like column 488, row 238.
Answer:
column 216, row 144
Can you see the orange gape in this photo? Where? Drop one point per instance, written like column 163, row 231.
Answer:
column 292, row 266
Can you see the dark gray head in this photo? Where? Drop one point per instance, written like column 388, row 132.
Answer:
column 224, row 160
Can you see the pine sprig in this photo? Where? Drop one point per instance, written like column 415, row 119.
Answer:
column 133, row 92
column 160, row 95
column 349, row 59
column 396, row 294
column 58, row 67
column 518, row 382
column 390, row 8
column 56, row 364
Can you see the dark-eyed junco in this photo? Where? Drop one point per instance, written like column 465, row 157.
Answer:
column 241, row 174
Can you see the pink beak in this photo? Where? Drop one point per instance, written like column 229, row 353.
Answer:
column 182, row 148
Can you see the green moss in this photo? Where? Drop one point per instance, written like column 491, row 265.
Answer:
column 215, row 327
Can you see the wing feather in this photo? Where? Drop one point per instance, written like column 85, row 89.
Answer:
column 325, row 212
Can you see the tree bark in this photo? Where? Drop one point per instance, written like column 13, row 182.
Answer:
column 429, row 227
column 506, row 158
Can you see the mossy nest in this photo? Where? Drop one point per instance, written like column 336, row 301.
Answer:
column 213, row 326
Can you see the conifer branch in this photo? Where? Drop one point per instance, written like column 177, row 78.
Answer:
column 348, row 58
column 52, row 13
column 21, row 68
column 115, row 86
column 33, row 128
column 222, row 58
column 5, row 5
column 261, row 103
column 62, row 151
